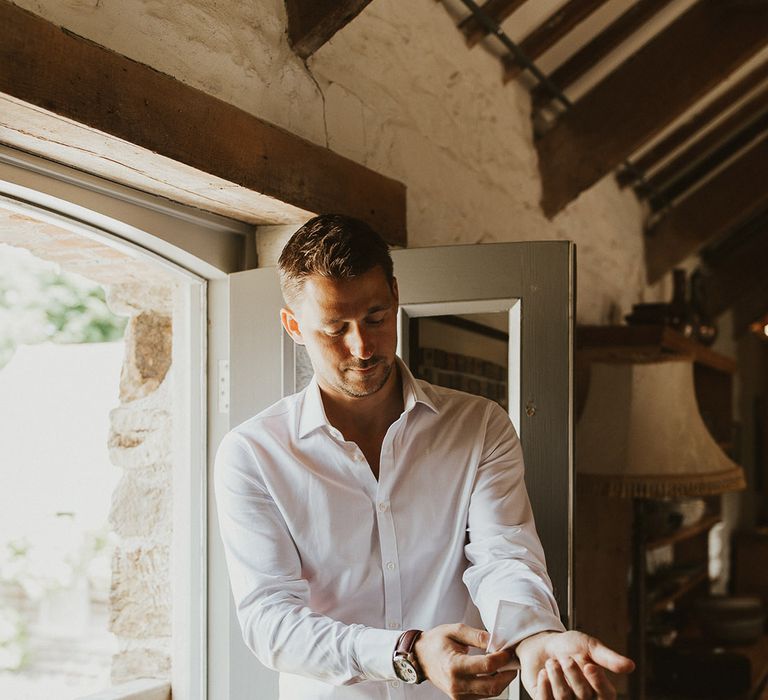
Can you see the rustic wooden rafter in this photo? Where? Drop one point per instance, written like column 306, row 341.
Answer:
column 727, row 200
column 596, row 49
column 690, row 127
column 311, row 23
column 116, row 110
column 733, row 271
column 708, row 152
column 650, row 89
column 550, row 32
column 497, row 10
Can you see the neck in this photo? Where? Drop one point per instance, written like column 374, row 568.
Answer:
column 371, row 414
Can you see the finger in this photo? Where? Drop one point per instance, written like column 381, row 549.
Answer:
column 560, row 688
column 471, row 636
column 472, row 665
column 489, row 686
column 543, row 687
column 599, row 681
column 608, row 658
column 574, row 676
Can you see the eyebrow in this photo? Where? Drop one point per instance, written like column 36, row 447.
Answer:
column 371, row 310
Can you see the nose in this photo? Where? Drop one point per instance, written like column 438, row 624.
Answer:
column 360, row 342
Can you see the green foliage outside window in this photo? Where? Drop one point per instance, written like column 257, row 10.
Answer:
column 39, row 303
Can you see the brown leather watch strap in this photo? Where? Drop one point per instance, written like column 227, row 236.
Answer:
column 406, row 642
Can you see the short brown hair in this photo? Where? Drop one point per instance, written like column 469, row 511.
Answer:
column 334, row 246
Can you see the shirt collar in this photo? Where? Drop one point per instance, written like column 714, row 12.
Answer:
column 313, row 416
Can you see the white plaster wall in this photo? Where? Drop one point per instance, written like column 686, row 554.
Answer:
column 399, row 91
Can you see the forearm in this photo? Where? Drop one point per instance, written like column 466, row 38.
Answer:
column 290, row 638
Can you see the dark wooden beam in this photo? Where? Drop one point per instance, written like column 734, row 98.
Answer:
column 497, row 10
column 732, row 274
column 313, row 22
column 729, row 198
column 678, row 136
column 547, row 34
column 707, row 153
column 650, row 89
column 593, row 51
column 116, row 100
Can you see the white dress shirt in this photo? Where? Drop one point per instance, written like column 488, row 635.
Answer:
column 329, row 566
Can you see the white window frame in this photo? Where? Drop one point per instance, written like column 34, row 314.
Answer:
column 198, row 249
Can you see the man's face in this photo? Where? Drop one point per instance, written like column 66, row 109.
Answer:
column 349, row 328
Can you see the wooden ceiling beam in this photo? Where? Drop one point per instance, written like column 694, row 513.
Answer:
column 598, row 48
column 706, row 155
column 689, row 157
column 497, row 10
column 546, row 35
column 636, row 101
column 698, row 121
column 728, row 199
column 731, row 274
column 311, row 23
column 117, row 111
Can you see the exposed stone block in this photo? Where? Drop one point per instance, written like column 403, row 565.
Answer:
column 140, row 663
column 133, row 298
column 140, row 600
column 139, row 436
column 148, row 342
column 142, row 503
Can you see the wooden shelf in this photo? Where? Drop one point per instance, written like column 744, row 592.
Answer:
column 684, row 533
column 646, row 341
column 687, row 585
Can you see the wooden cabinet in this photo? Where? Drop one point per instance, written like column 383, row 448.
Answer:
column 603, row 525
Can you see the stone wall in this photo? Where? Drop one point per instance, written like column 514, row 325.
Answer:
column 139, row 442
column 141, row 514
column 397, row 90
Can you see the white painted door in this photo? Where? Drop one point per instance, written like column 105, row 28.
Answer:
column 529, row 286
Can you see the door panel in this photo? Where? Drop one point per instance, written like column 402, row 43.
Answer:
column 531, row 283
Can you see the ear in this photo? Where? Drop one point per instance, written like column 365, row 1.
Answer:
column 291, row 325
column 395, row 291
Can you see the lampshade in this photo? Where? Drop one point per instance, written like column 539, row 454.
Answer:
column 641, row 434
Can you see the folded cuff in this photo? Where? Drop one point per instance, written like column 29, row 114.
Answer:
column 515, row 622
column 374, row 648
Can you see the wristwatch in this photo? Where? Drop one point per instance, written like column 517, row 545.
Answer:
column 404, row 658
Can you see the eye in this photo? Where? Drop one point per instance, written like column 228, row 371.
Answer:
column 376, row 319
column 334, row 332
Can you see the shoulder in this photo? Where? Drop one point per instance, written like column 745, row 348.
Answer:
column 277, row 423
column 453, row 400
column 476, row 414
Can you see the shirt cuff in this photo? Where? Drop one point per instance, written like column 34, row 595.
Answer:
column 374, row 649
column 515, row 622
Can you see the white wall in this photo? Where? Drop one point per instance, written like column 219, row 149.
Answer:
column 399, row 91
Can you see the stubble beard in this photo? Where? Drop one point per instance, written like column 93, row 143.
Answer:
column 349, row 389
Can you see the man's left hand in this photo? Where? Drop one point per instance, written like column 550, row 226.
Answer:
column 567, row 665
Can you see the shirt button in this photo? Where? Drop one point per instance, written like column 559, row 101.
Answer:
column 395, row 684
column 383, row 507
column 391, row 565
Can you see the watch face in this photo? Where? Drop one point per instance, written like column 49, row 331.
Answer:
column 404, row 670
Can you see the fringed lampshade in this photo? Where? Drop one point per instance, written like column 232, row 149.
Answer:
column 641, row 435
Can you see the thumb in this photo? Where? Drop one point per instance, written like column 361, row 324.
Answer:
column 470, row 636
column 608, row 658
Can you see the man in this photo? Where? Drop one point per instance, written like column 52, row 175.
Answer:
column 373, row 522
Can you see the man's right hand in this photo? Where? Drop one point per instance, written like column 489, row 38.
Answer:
column 442, row 653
